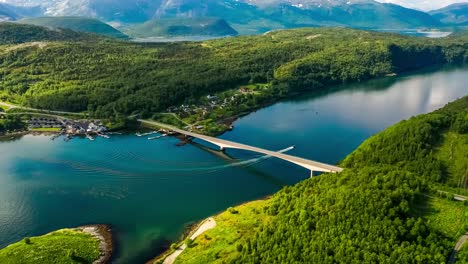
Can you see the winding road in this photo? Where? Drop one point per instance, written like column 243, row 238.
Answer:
column 463, row 239
column 208, row 224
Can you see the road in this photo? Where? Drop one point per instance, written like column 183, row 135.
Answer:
column 456, row 196
column 10, row 106
column 7, row 105
column 457, row 248
column 208, row 224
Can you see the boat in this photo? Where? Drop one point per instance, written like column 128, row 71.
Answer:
column 90, row 137
column 153, row 138
column 146, row 134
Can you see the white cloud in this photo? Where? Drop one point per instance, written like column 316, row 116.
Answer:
column 425, row 5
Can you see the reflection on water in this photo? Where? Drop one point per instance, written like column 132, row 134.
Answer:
column 149, row 190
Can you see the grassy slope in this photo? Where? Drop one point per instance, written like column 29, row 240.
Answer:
column 453, row 152
column 462, row 257
column 449, row 219
column 220, row 244
column 63, row 246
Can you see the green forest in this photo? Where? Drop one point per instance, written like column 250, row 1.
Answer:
column 385, row 207
column 111, row 78
column 11, row 123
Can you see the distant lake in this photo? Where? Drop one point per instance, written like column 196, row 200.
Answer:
column 150, row 190
column 428, row 34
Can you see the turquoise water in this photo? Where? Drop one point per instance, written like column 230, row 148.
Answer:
column 149, row 190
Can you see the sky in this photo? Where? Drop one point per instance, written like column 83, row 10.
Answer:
column 425, row 5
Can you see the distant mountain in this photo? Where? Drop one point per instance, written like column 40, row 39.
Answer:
column 80, row 24
column 182, row 27
column 246, row 16
column 456, row 14
column 14, row 33
column 11, row 13
column 264, row 15
column 7, row 14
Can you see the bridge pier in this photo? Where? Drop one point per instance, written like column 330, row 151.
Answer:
column 311, row 173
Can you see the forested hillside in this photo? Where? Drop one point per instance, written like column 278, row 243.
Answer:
column 79, row 24
column 111, row 78
column 433, row 146
column 12, row 33
column 383, row 208
column 182, row 27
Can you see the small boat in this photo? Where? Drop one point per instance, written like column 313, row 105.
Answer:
column 103, row 135
column 90, row 137
column 153, row 138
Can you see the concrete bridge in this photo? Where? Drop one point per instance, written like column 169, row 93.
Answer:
column 224, row 144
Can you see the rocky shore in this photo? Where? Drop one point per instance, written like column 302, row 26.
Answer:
column 104, row 234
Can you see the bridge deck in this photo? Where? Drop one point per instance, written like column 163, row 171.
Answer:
column 308, row 164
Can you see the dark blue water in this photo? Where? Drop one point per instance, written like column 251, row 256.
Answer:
column 149, row 190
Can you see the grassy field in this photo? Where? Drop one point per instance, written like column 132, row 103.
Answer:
column 462, row 257
column 449, row 217
column 233, row 227
column 63, row 246
column 453, row 153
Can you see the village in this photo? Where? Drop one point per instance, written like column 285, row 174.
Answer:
column 67, row 127
column 211, row 107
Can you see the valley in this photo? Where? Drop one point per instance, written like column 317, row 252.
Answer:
column 302, row 131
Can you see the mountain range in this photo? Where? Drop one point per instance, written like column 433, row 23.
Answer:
column 456, row 14
column 245, row 16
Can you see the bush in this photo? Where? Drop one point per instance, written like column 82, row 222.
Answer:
column 240, row 247
column 189, row 242
column 27, row 241
column 232, row 210
column 174, row 246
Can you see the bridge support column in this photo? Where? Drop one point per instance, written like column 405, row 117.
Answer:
column 311, row 173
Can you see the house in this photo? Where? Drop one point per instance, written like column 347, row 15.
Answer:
column 92, row 127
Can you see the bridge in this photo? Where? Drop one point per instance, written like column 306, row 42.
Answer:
column 224, row 144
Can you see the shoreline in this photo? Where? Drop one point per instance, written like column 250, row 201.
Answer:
column 189, row 231
column 192, row 228
column 106, row 244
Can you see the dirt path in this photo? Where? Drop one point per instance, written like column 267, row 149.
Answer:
column 457, row 248
column 208, row 224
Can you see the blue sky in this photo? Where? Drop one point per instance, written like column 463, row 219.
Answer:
column 423, row 4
